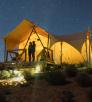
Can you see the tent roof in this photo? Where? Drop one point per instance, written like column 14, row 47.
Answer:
column 71, row 37
column 23, row 30
column 76, row 40
column 21, row 33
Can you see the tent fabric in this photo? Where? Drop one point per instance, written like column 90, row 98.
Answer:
column 75, row 40
column 66, row 53
column 72, row 45
column 21, row 33
column 39, row 46
column 70, row 37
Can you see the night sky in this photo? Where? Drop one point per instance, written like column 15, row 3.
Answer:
column 55, row 16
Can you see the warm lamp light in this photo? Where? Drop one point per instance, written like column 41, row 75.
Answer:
column 38, row 69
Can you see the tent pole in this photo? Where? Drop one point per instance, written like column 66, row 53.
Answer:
column 48, row 42
column 33, row 29
column 27, row 40
column 89, row 52
column 87, row 44
column 61, row 53
column 88, row 38
column 25, row 55
column 5, row 51
column 86, row 50
column 29, row 37
column 38, row 37
column 48, row 47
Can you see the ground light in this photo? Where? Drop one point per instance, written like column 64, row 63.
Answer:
column 13, row 81
column 17, row 73
column 16, row 79
column 38, row 68
column 16, row 76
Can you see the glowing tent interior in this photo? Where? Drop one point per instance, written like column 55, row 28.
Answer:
column 64, row 49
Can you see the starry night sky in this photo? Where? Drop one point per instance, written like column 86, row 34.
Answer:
column 55, row 16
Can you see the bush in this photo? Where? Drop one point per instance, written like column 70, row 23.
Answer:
column 51, row 68
column 39, row 76
column 89, row 70
column 84, row 80
column 71, row 71
column 27, row 76
column 5, row 74
column 56, row 78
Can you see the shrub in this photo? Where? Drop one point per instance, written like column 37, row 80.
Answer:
column 80, row 65
column 51, row 68
column 84, row 80
column 89, row 70
column 27, row 76
column 71, row 71
column 56, row 78
column 5, row 74
column 39, row 76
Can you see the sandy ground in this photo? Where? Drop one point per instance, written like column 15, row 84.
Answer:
column 41, row 91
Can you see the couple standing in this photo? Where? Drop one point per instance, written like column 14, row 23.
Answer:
column 31, row 51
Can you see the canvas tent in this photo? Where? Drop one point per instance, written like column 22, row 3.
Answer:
column 73, row 48
column 21, row 33
column 25, row 32
column 66, row 49
column 69, row 53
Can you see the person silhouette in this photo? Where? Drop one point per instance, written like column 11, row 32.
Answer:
column 33, row 51
column 30, row 51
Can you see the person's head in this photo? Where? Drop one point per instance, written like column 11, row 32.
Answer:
column 33, row 42
column 30, row 43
